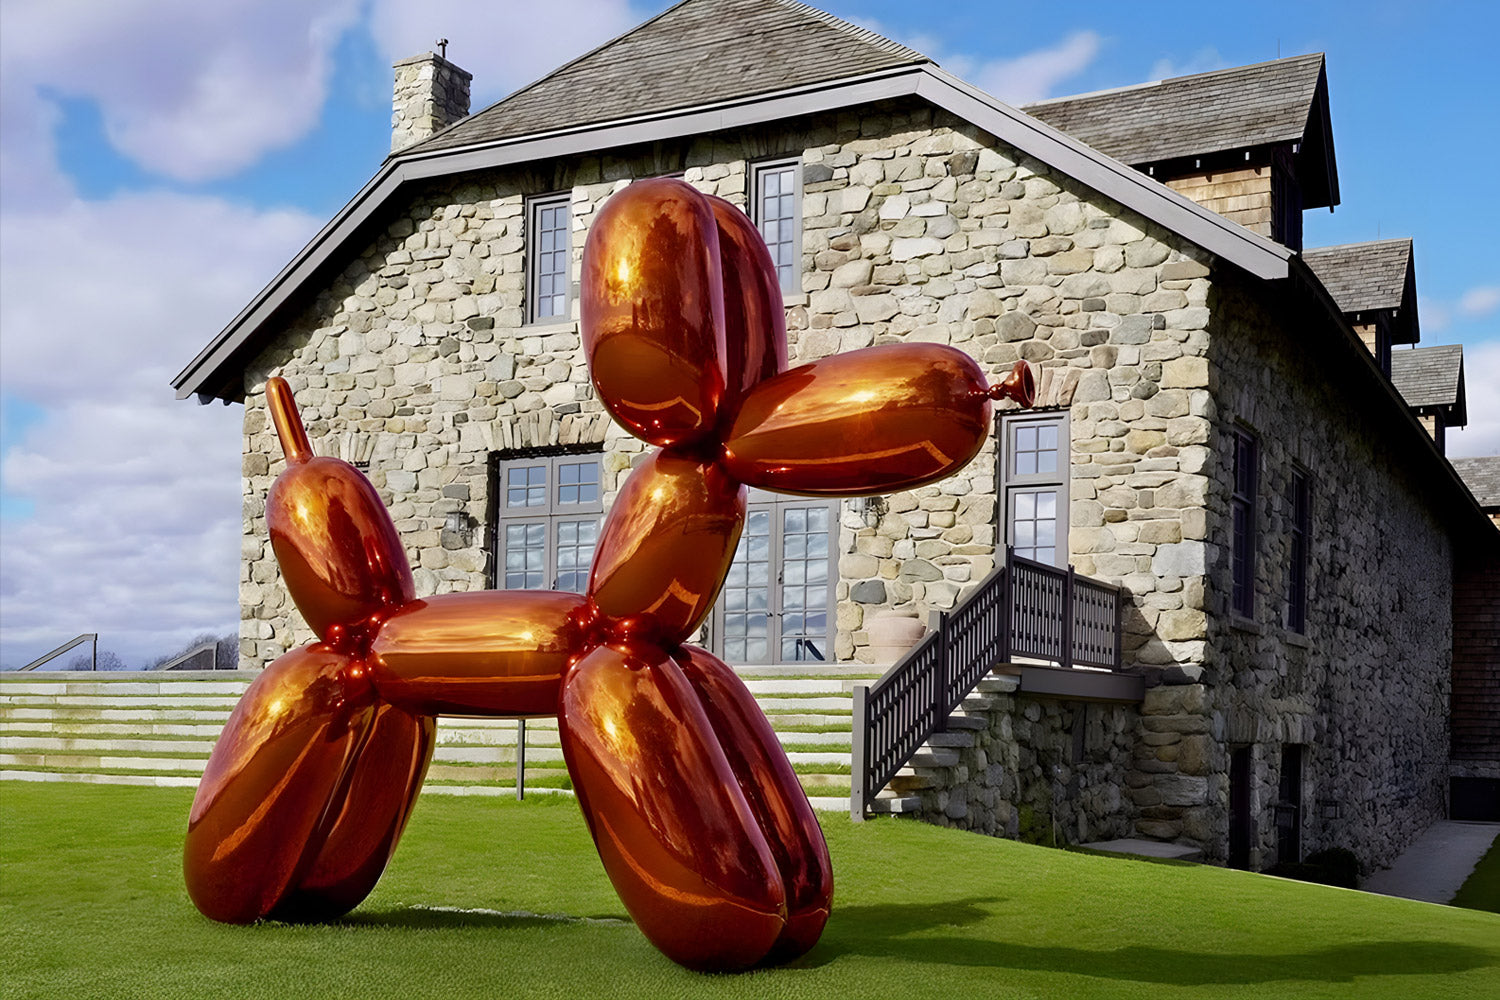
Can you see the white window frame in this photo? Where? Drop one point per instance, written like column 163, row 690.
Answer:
column 791, row 282
column 534, row 208
column 1011, row 484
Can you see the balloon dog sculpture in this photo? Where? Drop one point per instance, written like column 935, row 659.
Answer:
column 697, row 815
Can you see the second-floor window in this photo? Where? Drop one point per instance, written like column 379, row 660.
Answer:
column 1242, row 525
column 777, row 210
column 1034, row 465
column 1296, row 598
column 548, row 521
column 548, row 253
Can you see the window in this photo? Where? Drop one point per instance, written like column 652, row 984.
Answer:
column 548, row 254
column 548, row 521
column 1034, row 477
column 1242, row 525
column 1296, row 598
column 777, row 211
column 777, row 602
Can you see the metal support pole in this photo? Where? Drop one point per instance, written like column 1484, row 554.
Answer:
column 859, row 772
column 1067, row 622
column 520, row 758
column 940, row 674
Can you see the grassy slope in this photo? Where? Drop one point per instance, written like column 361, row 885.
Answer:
column 1481, row 890
column 92, row 905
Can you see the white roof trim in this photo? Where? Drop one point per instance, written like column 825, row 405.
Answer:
column 1226, row 240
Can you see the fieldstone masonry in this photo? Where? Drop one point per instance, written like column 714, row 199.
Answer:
column 429, row 95
column 916, row 226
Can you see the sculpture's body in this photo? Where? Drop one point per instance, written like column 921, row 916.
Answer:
column 696, row 812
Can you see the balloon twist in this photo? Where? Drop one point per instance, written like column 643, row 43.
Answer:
column 698, row 816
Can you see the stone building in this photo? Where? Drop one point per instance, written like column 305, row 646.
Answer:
column 1212, row 434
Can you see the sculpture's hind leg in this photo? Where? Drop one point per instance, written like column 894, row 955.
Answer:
column 262, row 809
column 384, row 779
column 774, row 794
column 676, row 836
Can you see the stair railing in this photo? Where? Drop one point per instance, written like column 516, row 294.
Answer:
column 60, row 650
column 1023, row 608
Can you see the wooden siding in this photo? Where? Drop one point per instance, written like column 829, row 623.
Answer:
column 1476, row 660
column 1242, row 196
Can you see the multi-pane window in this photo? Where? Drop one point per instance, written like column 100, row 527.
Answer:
column 1034, row 474
column 548, row 522
column 1296, row 599
column 1242, row 525
column 777, row 210
column 548, row 251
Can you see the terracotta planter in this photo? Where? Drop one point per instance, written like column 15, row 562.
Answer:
column 892, row 633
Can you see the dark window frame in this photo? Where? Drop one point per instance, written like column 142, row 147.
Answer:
column 791, row 280
column 550, row 513
column 535, row 206
column 1242, row 522
column 1300, row 529
column 1011, row 484
column 775, row 505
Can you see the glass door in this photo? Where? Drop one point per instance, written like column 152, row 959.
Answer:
column 777, row 603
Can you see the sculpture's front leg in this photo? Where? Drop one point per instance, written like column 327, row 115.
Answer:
column 673, row 829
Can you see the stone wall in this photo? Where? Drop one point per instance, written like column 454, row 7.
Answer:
column 1365, row 688
column 916, row 227
column 1041, row 770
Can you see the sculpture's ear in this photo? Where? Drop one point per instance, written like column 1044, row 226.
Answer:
column 288, row 422
column 754, row 316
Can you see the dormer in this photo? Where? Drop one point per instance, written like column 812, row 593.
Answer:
column 1253, row 143
column 1431, row 380
column 1375, row 286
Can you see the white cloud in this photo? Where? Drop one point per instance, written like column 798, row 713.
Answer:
column 135, row 523
column 1482, row 390
column 186, row 89
column 1205, row 60
column 1036, row 75
column 1480, row 301
column 537, row 37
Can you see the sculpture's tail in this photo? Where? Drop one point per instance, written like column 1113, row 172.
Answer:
column 288, row 421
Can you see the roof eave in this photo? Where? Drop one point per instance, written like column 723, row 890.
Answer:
column 1226, row 240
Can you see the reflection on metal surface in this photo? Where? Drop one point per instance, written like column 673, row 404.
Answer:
column 698, row 817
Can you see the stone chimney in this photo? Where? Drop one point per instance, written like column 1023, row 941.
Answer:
column 431, row 93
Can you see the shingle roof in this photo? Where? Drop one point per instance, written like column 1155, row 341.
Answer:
column 1482, row 477
column 1227, row 109
column 696, row 52
column 1429, row 376
column 1363, row 277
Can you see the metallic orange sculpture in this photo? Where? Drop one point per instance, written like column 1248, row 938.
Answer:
column 697, row 815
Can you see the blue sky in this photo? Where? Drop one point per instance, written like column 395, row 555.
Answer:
column 160, row 161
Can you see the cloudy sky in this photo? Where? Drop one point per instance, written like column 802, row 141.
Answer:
column 160, row 160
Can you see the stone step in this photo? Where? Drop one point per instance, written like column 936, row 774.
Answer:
column 998, row 684
column 89, row 745
column 934, row 758
column 202, row 730
column 958, row 740
column 895, row 804
column 911, row 782
column 226, row 702
column 961, row 720
column 1146, row 849
column 25, row 761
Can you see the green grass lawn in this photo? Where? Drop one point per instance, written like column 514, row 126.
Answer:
column 1481, row 890
column 494, row 898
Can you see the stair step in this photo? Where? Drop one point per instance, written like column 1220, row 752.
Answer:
column 911, row 782
column 934, row 758
column 959, row 720
column 961, row 739
column 896, row 804
column 998, row 684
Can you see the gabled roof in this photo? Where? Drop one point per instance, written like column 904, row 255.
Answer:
column 685, row 57
column 1270, row 103
column 218, row 369
column 1432, row 377
column 1482, row 477
column 1370, row 277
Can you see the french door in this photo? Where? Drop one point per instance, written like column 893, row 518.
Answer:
column 777, row 602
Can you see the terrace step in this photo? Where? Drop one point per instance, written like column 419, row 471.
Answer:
column 960, row 739
column 161, row 732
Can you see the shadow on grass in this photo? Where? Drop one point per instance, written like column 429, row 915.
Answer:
column 904, row 931
column 450, row 917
